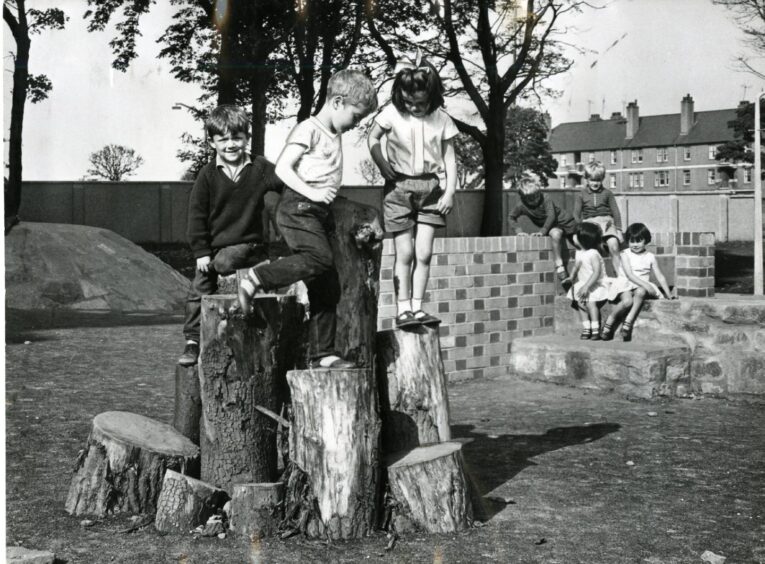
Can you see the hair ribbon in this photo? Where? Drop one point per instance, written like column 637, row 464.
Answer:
column 405, row 63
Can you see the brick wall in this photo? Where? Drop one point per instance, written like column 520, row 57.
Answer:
column 489, row 291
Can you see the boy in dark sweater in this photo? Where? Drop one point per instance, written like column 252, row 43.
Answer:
column 551, row 220
column 226, row 225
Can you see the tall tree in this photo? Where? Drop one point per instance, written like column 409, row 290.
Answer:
column 114, row 163
column 740, row 149
column 750, row 15
column 23, row 23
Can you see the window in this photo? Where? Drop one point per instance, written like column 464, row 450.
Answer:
column 591, row 158
column 613, row 180
column 637, row 156
column 747, row 175
column 636, row 180
column 613, row 157
column 712, row 152
column 661, row 178
column 563, row 160
column 662, row 155
column 686, row 178
column 711, row 176
column 686, row 153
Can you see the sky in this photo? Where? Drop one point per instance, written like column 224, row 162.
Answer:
column 666, row 49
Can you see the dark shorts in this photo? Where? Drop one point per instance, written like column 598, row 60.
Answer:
column 410, row 200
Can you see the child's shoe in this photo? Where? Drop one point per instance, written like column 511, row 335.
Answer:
column 595, row 336
column 246, row 291
column 331, row 361
column 565, row 281
column 406, row 319
column 607, row 332
column 586, row 334
column 627, row 331
column 425, row 318
column 190, row 354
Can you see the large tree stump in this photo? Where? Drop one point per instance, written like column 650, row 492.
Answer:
column 188, row 405
column 357, row 250
column 243, row 362
column 334, row 451
column 122, row 466
column 256, row 509
column 429, row 488
column 186, row 503
column 414, row 405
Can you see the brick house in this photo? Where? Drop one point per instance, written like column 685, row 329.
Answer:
column 670, row 153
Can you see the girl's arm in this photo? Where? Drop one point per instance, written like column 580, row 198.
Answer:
column 627, row 268
column 375, row 149
column 285, row 169
column 446, row 201
column 590, row 282
column 659, row 276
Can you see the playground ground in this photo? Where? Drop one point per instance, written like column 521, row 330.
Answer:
column 567, row 476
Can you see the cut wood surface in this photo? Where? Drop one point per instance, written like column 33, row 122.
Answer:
column 188, row 405
column 430, row 490
column 243, row 362
column 256, row 509
column 123, row 463
column 357, row 250
column 186, row 503
column 334, row 441
column 414, row 404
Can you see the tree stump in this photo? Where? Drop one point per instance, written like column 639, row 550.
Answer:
column 256, row 509
column 186, row 503
column 123, row 463
column 188, row 405
column 334, row 452
column 429, row 488
column 357, row 250
column 414, row 405
column 243, row 362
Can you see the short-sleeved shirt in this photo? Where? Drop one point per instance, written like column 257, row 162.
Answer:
column 414, row 145
column 321, row 165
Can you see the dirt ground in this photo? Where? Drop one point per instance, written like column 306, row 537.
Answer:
column 585, row 478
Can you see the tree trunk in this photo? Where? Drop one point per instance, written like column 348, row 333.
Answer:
column 259, row 86
column 430, row 491
column 357, row 249
column 123, row 463
column 256, row 509
column 186, row 503
column 243, row 362
column 18, row 100
column 493, row 152
column 188, row 405
column 414, row 405
column 334, row 450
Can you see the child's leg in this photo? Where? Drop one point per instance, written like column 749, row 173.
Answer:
column 613, row 249
column 584, row 316
column 637, row 303
column 423, row 253
column 593, row 311
column 557, row 239
column 403, row 244
column 624, row 304
column 203, row 284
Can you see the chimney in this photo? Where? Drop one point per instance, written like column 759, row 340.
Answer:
column 595, row 117
column 616, row 115
column 686, row 115
column 633, row 119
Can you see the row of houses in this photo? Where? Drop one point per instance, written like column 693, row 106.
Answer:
column 670, row 152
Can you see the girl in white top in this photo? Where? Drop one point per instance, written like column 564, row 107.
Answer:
column 590, row 290
column 420, row 169
column 633, row 284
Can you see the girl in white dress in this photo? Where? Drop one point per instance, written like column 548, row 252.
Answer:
column 633, row 284
column 590, row 289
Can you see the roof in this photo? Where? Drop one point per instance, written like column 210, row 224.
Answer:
column 653, row 131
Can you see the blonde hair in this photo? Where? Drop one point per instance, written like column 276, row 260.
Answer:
column 529, row 183
column 355, row 87
column 594, row 171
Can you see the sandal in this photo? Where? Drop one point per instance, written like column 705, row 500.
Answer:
column 425, row 318
column 586, row 334
column 627, row 331
column 406, row 319
column 565, row 281
column 607, row 332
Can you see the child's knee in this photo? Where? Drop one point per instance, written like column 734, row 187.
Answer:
column 640, row 293
column 556, row 234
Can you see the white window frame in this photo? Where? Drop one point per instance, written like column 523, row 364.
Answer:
column 662, row 155
column 687, row 154
column 686, row 177
column 613, row 157
column 748, row 175
column 660, row 175
column 711, row 176
column 637, row 180
column 637, row 156
column 613, row 180
column 563, row 160
column 712, row 151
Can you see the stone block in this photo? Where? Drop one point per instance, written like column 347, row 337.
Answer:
column 20, row 555
column 631, row 369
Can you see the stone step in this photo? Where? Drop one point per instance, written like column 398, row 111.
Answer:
column 638, row 370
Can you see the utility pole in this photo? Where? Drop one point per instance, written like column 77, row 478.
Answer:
column 758, row 285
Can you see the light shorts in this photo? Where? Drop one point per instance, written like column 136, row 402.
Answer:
column 410, row 200
column 606, row 223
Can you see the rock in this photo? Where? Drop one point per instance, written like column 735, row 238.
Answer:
column 712, row 558
column 20, row 555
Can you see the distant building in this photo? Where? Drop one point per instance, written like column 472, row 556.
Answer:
column 672, row 152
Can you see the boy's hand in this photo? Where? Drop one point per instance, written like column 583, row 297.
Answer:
column 203, row 264
column 387, row 171
column 522, row 234
column 445, row 203
column 537, row 234
column 323, row 195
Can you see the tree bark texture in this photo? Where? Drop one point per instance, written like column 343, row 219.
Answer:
column 188, row 404
column 414, row 404
column 357, row 249
column 123, row 463
column 334, row 441
column 256, row 509
column 186, row 503
column 493, row 154
column 430, row 491
column 243, row 362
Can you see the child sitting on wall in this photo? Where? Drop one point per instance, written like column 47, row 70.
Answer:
column 551, row 220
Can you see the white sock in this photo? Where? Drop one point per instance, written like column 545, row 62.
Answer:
column 402, row 306
column 192, row 342
column 595, row 326
column 416, row 304
column 586, row 324
column 248, row 287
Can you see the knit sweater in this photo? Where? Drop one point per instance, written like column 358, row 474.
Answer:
column 589, row 204
column 545, row 216
column 223, row 212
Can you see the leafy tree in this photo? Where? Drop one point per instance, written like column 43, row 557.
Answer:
column 750, row 15
column 114, row 163
column 24, row 22
column 740, row 149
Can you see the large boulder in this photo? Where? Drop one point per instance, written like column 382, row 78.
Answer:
column 55, row 266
